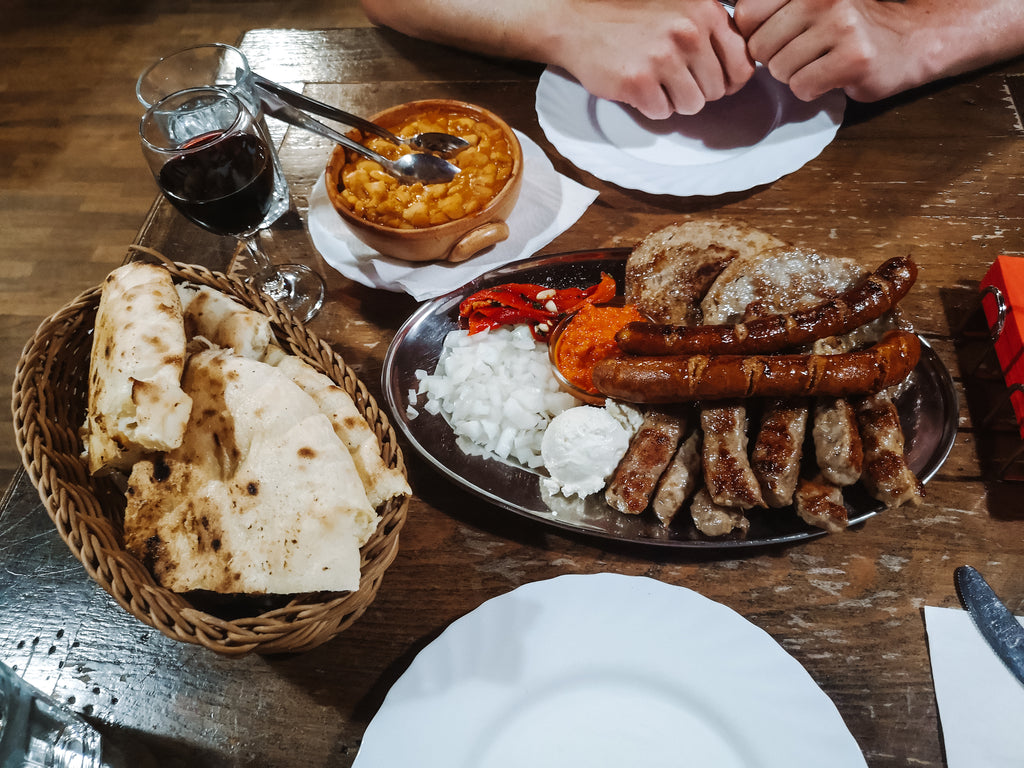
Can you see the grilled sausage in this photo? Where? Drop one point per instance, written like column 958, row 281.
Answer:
column 649, row 452
column 715, row 520
column 886, row 475
column 680, row 378
column 870, row 298
column 727, row 473
column 820, row 503
column 778, row 449
column 679, row 480
column 837, row 444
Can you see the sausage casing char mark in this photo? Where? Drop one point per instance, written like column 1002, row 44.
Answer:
column 778, row 449
column 727, row 473
column 886, row 475
column 649, row 453
column 681, row 378
column 870, row 298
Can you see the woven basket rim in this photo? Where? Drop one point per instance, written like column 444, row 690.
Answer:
column 87, row 511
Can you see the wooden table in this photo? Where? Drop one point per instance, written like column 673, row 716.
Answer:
column 936, row 174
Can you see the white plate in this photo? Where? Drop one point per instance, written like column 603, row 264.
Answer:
column 606, row 670
column 753, row 137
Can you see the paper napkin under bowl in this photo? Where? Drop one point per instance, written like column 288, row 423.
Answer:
column 549, row 203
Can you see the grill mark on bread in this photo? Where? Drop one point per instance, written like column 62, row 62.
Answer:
column 161, row 472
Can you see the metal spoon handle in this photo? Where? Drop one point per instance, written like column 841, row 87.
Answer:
column 276, row 107
column 408, row 169
column 296, row 99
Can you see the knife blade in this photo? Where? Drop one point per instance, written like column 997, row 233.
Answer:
column 997, row 624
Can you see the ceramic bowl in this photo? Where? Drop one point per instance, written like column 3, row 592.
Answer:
column 455, row 240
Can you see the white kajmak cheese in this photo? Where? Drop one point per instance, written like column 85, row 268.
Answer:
column 581, row 448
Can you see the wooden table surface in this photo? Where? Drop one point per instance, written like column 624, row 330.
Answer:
column 935, row 174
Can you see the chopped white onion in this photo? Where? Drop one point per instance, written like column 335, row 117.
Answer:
column 497, row 391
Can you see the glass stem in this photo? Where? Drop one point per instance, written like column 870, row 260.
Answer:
column 264, row 276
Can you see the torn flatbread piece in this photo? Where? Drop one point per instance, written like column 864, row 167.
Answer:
column 380, row 481
column 136, row 403
column 261, row 497
column 216, row 317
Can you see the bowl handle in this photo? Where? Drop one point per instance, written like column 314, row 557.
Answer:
column 477, row 239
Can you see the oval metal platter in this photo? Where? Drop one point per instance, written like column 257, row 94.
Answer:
column 928, row 412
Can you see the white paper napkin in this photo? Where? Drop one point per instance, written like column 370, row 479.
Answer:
column 549, row 203
column 981, row 704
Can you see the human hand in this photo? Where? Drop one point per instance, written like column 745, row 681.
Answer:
column 818, row 45
column 659, row 56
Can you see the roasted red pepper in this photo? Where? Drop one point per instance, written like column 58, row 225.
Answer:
column 537, row 305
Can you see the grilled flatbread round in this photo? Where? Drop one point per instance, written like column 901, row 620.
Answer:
column 380, row 481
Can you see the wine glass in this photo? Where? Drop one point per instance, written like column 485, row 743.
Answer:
column 211, row 64
column 214, row 162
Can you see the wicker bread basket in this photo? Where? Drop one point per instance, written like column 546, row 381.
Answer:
column 50, row 396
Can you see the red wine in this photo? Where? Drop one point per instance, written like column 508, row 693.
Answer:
column 225, row 184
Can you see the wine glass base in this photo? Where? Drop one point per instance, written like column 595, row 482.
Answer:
column 296, row 287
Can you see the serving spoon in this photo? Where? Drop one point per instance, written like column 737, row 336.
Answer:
column 431, row 141
column 408, row 169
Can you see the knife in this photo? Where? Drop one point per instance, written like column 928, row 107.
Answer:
column 997, row 625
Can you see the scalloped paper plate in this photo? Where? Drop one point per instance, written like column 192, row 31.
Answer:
column 753, row 137
column 606, row 671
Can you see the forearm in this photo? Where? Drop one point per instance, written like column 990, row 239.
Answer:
column 521, row 29
column 956, row 36
column 876, row 48
column 659, row 56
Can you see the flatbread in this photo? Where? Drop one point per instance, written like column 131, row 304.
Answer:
column 216, row 317
column 380, row 481
column 260, row 498
column 136, row 404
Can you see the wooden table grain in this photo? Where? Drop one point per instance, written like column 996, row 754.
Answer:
column 935, row 174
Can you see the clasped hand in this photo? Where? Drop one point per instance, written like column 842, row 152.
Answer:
column 675, row 56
